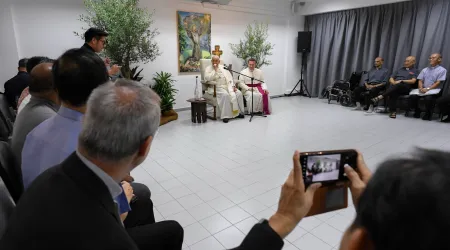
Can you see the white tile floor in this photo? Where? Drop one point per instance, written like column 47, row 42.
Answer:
column 218, row 179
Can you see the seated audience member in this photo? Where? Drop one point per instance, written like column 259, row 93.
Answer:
column 430, row 80
column 76, row 74
column 110, row 146
column 391, row 205
column 375, row 83
column 444, row 106
column 260, row 95
column 71, row 205
column 229, row 98
column 15, row 85
column 44, row 104
column 25, row 95
column 401, row 83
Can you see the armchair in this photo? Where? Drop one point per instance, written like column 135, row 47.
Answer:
column 209, row 88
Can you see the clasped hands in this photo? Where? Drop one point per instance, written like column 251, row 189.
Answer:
column 424, row 90
column 295, row 202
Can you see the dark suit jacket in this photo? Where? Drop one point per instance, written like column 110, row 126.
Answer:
column 15, row 86
column 261, row 237
column 69, row 207
column 66, row 207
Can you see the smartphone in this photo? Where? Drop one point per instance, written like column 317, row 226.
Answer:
column 326, row 167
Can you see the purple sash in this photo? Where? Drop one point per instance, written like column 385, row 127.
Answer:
column 265, row 97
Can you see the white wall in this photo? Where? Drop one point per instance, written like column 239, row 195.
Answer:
column 227, row 27
column 46, row 28
column 317, row 7
column 9, row 55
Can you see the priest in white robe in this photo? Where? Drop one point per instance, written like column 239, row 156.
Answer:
column 229, row 99
column 260, row 95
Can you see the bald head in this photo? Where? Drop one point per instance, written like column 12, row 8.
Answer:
column 410, row 61
column 41, row 79
column 378, row 62
column 435, row 59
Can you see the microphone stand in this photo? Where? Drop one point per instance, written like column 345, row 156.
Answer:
column 252, row 113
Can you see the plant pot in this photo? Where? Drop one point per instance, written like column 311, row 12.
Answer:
column 168, row 116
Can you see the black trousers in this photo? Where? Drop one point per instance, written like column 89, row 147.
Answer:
column 363, row 95
column 165, row 235
column 430, row 100
column 141, row 209
column 394, row 92
column 444, row 104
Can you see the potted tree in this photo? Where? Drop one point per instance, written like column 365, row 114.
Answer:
column 163, row 86
column 131, row 38
column 254, row 45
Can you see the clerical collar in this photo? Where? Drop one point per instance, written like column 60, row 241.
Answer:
column 407, row 68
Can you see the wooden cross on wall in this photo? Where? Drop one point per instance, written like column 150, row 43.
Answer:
column 217, row 51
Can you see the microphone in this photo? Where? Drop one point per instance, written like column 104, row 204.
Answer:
column 226, row 67
column 196, row 77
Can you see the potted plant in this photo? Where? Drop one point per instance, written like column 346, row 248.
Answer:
column 163, row 86
column 131, row 38
column 255, row 45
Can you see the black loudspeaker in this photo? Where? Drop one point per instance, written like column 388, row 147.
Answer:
column 304, row 41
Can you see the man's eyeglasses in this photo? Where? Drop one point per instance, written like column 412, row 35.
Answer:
column 104, row 41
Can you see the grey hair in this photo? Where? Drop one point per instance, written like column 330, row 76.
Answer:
column 120, row 116
column 215, row 57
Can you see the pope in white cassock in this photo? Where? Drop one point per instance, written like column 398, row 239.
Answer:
column 261, row 100
column 229, row 98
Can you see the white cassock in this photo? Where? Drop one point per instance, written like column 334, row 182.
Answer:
column 258, row 104
column 230, row 103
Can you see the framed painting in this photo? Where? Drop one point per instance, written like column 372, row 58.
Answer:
column 194, row 40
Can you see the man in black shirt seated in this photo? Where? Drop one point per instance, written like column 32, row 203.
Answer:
column 402, row 81
column 375, row 82
column 15, row 86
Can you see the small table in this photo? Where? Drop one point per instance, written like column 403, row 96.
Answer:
column 198, row 110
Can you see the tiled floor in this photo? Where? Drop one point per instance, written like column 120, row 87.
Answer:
column 218, row 179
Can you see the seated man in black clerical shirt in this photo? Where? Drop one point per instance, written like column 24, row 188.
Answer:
column 375, row 83
column 402, row 81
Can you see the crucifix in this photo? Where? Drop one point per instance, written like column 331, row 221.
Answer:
column 217, row 51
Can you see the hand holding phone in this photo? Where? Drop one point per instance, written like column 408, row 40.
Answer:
column 358, row 177
column 327, row 167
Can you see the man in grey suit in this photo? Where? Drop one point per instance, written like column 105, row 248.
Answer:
column 44, row 103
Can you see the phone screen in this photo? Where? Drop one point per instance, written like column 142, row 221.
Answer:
column 326, row 167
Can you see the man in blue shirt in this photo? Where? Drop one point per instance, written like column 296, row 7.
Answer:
column 430, row 80
column 76, row 74
column 375, row 83
column 401, row 83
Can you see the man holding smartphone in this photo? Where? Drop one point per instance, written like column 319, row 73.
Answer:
column 95, row 41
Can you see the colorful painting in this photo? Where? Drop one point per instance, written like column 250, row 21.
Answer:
column 194, row 40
